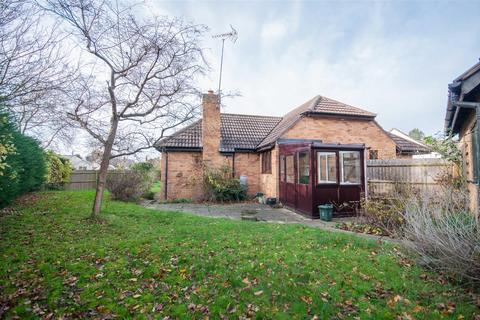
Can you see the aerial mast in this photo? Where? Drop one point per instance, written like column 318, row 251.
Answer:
column 233, row 36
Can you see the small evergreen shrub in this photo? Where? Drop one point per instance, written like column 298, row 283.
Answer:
column 22, row 162
column 220, row 185
column 58, row 171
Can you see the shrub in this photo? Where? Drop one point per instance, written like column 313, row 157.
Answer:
column 149, row 195
column 220, row 185
column 125, row 185
column 22, row 163
column 384, row 214
column 58, row 171
column 144, row 167
column 147, row 170
column 443, row 235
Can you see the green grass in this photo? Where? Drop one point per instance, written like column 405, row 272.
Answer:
column 157, row 187
column 145, row 263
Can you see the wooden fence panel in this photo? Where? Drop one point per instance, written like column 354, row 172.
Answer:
column 386, row 176
column 86, row 179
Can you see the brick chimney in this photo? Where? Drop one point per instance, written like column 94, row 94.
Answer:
column 211, row 130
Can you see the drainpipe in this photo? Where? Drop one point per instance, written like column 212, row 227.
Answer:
column 233, row 165
column 166, row 176
column 365, row 177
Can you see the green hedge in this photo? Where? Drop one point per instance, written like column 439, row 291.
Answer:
column 22, row 162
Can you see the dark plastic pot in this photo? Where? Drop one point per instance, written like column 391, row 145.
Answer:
column 326, row 212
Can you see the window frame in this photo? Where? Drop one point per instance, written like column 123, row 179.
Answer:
column 267, row 162
column 307, row 153
column 340, row 160
column 373, row 151
column 326, row 154
column 282, row 168
column 292, row 156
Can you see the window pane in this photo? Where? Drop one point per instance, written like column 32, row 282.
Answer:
column 303, row 168
column 332, row 167
column 290, row 169
column 327, row 167
column 282, row 168
column 322, row 165
column 350, row 165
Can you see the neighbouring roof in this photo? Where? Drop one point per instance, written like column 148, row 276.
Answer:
column 249, row 132
column 406, row 144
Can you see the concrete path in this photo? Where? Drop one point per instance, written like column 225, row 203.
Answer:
column 262, row 212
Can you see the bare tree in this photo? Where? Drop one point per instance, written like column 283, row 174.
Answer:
column 32, row 70
column 140, row 82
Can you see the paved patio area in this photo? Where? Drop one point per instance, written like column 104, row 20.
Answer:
column 263, row 213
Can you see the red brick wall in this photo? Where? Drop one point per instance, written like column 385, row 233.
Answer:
column 184, row 178
column 333, row 130
column 269, row 182
column 248, row 164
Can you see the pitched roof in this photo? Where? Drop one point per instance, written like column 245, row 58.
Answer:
column 245, row 132
column 318, row 105
column 189, row 137
column 406, row 144
column 471, row 71
column 249, row 132
column 238, row 131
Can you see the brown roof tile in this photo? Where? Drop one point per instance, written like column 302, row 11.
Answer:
column 239, row 131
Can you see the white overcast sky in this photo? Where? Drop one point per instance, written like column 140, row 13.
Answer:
column 392, row 58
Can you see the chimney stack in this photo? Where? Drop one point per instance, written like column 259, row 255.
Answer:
column 211, row 131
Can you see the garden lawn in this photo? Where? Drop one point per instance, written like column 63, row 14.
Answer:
column 146, row 263
column 156, row 187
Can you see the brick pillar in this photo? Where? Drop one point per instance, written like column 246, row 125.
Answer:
column 211, row 130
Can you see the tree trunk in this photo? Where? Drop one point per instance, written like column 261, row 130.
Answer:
column 102, row 176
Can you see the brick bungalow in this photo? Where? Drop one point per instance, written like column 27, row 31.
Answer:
column 462, row 118
column 251, row 146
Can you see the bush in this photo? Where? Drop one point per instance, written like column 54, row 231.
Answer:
column 126, row 185
column 147, row 170
column 143, row 167
column 384, row 214
column 220, row 185
column 58, row 171
column 22, row 163
column 443, row 234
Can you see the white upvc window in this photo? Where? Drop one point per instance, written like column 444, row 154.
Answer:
column 350, row 170
column 326, row 167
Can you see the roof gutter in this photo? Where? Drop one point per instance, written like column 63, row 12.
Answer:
column 338, row 115
column 462, row 104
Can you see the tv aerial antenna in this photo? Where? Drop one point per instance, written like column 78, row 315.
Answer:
column 232, row 36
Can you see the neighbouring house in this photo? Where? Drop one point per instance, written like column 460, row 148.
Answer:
column 408, row 147
column 315, row 154
column 81, row 164
column 462, row 118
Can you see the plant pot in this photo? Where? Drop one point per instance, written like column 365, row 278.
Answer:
column 326, row 212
